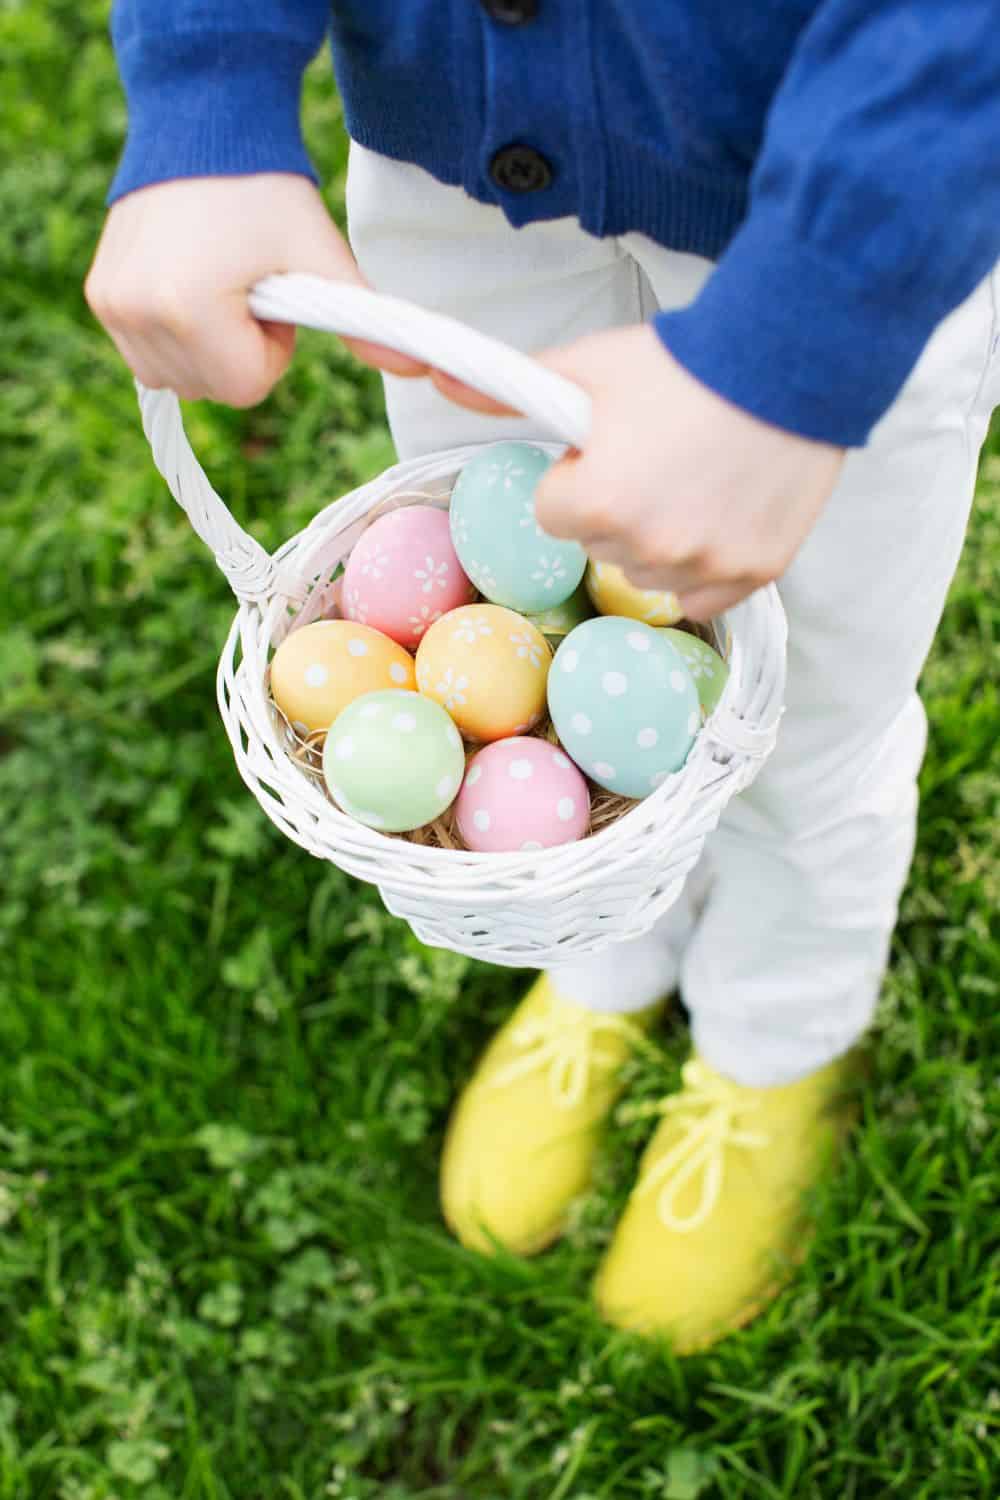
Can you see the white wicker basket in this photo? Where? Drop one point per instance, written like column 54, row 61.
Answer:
column 517, row 909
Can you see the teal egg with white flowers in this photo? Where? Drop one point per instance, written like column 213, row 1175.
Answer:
column 623, row 703
column 496, row 535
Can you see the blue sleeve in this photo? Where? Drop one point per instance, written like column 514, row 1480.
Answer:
column 213, row 86
column 874, row 211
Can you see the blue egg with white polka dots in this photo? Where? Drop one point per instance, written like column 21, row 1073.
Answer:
column 624, row 704
column 500, row 544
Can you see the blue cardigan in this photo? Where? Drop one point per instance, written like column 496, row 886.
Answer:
column 839, row 158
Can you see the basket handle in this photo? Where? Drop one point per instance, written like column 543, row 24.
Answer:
column 507, row 375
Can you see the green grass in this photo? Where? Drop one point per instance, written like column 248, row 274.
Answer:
column 226, row 1071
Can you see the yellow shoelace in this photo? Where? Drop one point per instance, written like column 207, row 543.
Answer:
column 707, row 1109
column 564, row 1040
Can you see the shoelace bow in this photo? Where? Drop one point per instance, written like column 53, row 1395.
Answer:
column 565, row 1042
column 707, row 1108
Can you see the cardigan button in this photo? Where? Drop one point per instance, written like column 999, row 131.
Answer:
column 520, row 169
column 511, row 12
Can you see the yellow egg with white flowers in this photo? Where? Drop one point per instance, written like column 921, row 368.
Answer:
column 488, row 667
column 612, row 594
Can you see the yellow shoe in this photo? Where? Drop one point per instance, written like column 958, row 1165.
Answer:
column 522, row 1136
column 715, row 1222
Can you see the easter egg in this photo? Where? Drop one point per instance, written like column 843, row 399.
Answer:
column 393, row 760
column 558, row 621
column 614, row 595
column 623, row 704
column 403, row 574
column 706, row 666
column 521, row 794
column 487, row 666
column 319, row 669
column 502, row 548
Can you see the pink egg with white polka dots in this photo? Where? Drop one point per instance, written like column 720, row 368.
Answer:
column 404, row 574
column 522, row 794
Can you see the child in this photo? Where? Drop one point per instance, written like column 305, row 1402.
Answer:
column 762, row 236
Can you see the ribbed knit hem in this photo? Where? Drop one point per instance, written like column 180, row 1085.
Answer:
column 800, row 341
column 696, row 212
column 211, row 104
column 686, row 210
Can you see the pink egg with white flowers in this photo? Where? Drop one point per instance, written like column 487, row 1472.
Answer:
column 522, row 794
column 404, row 574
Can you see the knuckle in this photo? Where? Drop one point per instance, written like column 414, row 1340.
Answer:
column 544, row 492
column 677, row 548
column 709, row 560
column 649, row 552
column 699, row 610
column 187, row 390
column 126, row 308
column 595, row 514
column 242, row 388
column 550, row 513
column 171, row 310
column 147, row 374
column 564, row 499
column 96, row 295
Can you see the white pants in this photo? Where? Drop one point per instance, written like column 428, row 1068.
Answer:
column 782, row 939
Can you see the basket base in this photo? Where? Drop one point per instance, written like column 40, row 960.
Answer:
column 535, row 943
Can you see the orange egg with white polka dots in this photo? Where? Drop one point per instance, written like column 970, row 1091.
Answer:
column 321, row 668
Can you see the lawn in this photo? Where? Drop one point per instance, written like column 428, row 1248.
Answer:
column 226, row 1070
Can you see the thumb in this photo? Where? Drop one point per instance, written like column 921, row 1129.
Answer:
column 325, row 252
column 583, row 361
column 572, row 360
column 571, row 500
column 237, row 359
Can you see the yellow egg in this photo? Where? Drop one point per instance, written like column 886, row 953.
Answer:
column 614, row 595
column 488, row 667
column 320, row 669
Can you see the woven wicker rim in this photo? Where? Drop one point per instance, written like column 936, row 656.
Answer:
column 293, row 587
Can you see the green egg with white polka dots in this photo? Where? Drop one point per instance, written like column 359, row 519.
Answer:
column 706, row 666
column 623, row 703
column 393, row 760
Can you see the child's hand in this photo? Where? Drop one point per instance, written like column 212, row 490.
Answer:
column 677, row 486
column 173, row 268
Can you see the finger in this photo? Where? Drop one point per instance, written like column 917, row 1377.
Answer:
column 571, row 360
column 230, row 356
column 667, row 578
column 465, row 395
column 383, row 358
column 605, row 549
column 178, row 364
column 149, row 366
column 283, row 334
column 142, row 368
column 702, row 604
column 328, row 254
column 670, row 577
column 574, row 360
column 569, row 502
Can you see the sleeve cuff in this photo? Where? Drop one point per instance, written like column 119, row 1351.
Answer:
column 797, row 340
column 211, row 104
